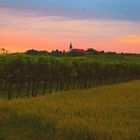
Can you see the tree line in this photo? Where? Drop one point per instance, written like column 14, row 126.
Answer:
column 24, row 75
column 74, row 53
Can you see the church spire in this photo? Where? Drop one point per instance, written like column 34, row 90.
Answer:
column 70, row 47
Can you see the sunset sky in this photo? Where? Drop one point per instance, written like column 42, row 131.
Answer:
column 109, row 25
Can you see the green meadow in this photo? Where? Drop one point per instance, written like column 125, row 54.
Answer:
column 110, row 112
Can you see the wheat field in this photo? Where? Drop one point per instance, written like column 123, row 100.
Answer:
column 109, row 112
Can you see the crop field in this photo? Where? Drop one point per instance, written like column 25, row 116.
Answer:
column 110, row 112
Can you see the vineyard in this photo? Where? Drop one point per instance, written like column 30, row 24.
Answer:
column 24, row 75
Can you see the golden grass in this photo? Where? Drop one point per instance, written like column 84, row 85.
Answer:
column 102, row 113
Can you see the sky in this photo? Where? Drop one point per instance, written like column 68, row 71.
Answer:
column 109, row 25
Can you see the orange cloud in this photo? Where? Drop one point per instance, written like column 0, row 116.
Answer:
column 130, row 40
column 19, row 33
column 16, row 40
column 20, row 40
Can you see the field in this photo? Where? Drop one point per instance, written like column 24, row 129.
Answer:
column 109, row 112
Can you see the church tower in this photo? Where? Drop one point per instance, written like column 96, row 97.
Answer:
column 70, row 47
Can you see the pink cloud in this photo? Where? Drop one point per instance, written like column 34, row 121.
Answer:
column 19, row 33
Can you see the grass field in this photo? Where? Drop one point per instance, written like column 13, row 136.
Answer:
column 101, row 113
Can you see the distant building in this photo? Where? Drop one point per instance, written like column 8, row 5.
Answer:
column 76, row 52
column 71, row 49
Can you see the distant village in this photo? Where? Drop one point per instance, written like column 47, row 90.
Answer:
column 71, row 52
column 76, row 50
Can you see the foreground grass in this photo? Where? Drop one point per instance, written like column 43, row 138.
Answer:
column 102, row 113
